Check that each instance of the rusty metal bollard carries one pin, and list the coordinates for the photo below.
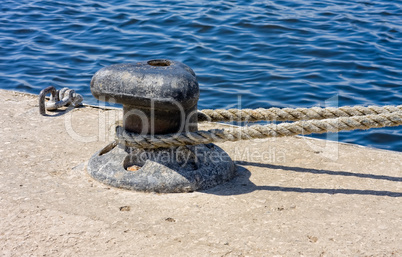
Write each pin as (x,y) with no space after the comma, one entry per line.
(158,97)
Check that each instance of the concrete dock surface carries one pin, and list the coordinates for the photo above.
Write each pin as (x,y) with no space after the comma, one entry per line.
(292,196)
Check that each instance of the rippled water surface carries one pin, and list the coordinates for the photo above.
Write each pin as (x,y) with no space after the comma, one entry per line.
(249,53)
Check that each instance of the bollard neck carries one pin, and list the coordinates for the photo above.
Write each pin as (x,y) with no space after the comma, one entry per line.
(152,121)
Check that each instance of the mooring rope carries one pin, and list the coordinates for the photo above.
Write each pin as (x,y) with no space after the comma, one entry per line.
(383,119)
(290,114)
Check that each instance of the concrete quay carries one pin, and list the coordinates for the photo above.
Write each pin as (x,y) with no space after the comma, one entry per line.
(292,196)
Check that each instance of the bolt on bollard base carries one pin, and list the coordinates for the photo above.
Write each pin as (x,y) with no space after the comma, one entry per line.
(172,170)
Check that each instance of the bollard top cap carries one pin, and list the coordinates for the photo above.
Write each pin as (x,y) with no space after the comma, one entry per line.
(165,82)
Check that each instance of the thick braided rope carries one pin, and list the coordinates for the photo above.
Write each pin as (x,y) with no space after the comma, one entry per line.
(259,131)
(290,114)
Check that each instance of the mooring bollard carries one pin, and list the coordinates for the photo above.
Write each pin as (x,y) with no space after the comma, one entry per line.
(158,97)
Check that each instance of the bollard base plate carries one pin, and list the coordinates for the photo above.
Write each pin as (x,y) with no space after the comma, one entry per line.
(169,170)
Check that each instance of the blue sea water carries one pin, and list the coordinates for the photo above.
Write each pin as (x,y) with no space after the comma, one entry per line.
(246,54)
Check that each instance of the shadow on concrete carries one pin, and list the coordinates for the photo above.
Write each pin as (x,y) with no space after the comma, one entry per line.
(315,171)
(62,111)
(241,184)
